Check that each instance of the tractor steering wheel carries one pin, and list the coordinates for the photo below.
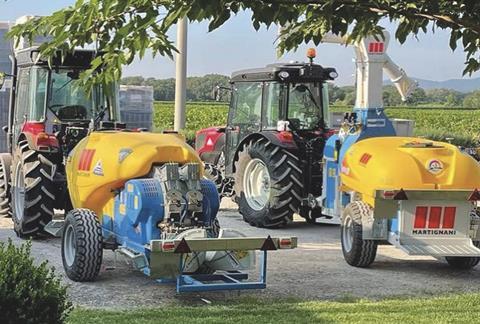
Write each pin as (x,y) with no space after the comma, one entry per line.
(56,106)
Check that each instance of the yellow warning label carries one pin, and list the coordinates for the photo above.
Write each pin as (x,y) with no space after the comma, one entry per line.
(239,255)
(331,172)
(122,209)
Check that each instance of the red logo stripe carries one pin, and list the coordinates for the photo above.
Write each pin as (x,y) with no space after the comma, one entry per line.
(420,217)
(435,216)
(449,217)
(376,47)
(82,159)
(86,160)
(365,158)
(89,159)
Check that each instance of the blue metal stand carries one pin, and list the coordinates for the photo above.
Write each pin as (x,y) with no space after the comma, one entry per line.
(228,280)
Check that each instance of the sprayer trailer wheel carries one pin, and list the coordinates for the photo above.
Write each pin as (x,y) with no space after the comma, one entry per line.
(82,249)
(464,263)
(356,251)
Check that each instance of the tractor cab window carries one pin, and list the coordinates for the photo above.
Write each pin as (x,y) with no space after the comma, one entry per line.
(305,106)
(247,104)
(38,94)
(22,100)
(69,101)
(273,103)
(325,104)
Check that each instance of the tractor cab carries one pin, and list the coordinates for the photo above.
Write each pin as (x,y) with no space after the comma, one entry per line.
(49,108)
(286,102)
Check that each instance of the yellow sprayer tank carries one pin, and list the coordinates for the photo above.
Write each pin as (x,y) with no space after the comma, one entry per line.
(103,161)
(406,163)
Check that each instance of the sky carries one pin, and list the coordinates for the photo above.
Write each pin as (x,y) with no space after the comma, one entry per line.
(236,45)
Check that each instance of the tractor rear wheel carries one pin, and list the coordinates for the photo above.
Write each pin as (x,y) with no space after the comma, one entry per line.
(464,263)
(5,193)
(268,184)
(32,190)
(82,249)
(356,251)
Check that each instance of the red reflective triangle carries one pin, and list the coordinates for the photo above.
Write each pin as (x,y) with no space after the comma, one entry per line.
(474,196)
(182,247)
(401,195)
(268,245)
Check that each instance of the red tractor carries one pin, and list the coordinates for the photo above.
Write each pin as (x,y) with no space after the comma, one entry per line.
(269,156)
(49,114)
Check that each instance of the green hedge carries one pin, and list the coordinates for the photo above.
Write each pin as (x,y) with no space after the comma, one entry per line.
(29,293)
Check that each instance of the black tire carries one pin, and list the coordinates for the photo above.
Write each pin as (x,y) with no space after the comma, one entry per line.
(85,260)
(214,229)
(464,263)
(213,174)
(5,193)
(35,210)
(285,184)
(356,251)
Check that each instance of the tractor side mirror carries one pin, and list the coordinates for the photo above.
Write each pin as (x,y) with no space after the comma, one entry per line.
(217,92)
(74,75)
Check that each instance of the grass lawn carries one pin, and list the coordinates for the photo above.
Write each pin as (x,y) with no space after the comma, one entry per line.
(464,308)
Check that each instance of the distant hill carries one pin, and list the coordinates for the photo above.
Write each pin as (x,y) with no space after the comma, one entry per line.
(462,85)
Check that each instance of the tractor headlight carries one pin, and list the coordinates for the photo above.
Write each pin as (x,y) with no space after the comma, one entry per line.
(333,75)
(283,75)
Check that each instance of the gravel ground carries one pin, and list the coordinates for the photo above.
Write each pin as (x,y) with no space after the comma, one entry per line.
(315,270)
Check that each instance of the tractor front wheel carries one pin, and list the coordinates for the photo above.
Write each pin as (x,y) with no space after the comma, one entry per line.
(356,251)
(82,249)
(267,184)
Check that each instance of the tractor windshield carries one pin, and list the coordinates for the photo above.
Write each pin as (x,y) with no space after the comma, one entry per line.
(305,106)
(69,101)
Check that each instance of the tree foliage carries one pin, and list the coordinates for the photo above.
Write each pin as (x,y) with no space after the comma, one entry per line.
(472,100)
(123,29)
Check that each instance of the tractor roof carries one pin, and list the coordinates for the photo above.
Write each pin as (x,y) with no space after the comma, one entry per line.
(79,59)
(296,72)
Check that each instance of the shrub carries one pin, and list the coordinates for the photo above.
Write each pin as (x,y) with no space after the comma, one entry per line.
(29,293)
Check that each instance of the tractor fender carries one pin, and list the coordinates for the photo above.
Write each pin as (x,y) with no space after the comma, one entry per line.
(209,143)
(49,144)
(38,140)
(272,136)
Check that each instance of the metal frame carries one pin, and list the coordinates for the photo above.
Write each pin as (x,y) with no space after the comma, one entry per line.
(231,280)
(221,280)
